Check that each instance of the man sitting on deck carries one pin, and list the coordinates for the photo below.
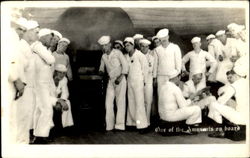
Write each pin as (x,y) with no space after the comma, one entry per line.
(174,107)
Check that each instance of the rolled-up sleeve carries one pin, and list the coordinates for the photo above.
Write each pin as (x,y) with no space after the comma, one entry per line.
(212,61)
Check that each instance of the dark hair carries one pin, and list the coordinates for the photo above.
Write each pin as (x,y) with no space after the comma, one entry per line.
(230,72)
(127,42)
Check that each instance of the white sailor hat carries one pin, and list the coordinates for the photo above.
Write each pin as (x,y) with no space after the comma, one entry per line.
(104,40)
(64,40)
(137,36)
(31,24)
(232,26)
(145,41)
(239,28)
(119,42)
(240,70)
(44,32)
(211,36)
(221,32)
(61,68)
(22,22)
(57,33)
(129,39)
(154,37)
(173,74)
(196,39)
(162,33)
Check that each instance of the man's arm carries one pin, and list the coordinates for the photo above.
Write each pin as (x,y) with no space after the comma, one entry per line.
(69,70)
(181,101)
(230,91)
(65,90)
(43,52)
(102,66)
(212,62)
(185,59)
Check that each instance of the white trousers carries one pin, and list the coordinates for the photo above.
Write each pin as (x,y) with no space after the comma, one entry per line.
(216,111)
(136,112)
(25,106)
(43,115)
(67,118)
(148,94)
(191,114)
(205,102)
(117,92)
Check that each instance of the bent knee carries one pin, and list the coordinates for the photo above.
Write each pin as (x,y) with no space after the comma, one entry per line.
(197,109)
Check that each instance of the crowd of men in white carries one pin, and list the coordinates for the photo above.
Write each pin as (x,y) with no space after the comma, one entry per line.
(139,69)
(40,70)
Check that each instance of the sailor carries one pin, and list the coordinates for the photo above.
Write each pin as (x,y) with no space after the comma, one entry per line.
(148,88)
(239,88)
(193,89)
(167,59)
(174,107)
(137,76)
(56,37)
(198,59)
(215,48)
(137,38)
(62,116)
(118,44)
(61,57)
(116,65)
(26,104)
(230,54)
(44,101)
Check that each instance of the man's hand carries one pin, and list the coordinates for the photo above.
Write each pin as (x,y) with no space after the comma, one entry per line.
(184,73)
(220,58)
(64,105)
(192,96)
(19,85)
(101,73)
(119,79)
(58,106)
(208,74)
(234,58)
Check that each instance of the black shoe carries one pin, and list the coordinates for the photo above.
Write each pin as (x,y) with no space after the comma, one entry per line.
(118,130)
(108,132)
(40,140)
(189,132)
(217,135)
(144,130)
